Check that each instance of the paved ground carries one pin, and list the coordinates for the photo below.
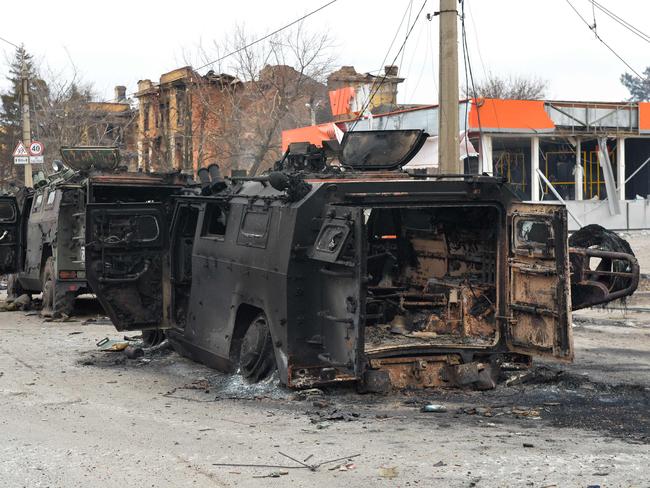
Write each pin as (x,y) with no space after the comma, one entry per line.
(72,416)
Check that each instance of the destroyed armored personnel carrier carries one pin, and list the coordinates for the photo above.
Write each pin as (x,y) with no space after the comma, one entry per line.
(51,254)
(357,272)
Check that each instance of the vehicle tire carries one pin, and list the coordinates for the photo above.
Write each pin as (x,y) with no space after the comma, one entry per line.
(64,304)
(14,289)
(47,288)
(152,337)
(256,356)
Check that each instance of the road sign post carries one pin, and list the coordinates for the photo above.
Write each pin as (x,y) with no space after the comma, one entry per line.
(21,154)
(36,149)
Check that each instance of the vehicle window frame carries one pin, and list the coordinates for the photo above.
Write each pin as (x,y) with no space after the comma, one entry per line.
(48,205)
(14,216)
(249,239)
(531,246)
(207,214)
(38,203)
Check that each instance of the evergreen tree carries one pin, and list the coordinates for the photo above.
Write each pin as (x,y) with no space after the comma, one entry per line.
(639,88)
(10,113)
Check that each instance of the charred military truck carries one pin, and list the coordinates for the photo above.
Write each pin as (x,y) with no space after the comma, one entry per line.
(358,272)
(51,256)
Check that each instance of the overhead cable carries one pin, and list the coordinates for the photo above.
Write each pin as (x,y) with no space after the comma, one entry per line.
(591,28)
(257,41)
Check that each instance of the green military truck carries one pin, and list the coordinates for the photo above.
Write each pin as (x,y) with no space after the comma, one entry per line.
(49,253)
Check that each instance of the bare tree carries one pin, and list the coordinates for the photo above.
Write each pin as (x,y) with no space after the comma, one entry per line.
(272,83)
(508,87)
(62,112)
(68,116)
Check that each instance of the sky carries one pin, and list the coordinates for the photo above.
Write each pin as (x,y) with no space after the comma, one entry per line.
(119,42)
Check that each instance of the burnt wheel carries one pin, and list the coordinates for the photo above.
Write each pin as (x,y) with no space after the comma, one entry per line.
(47,287)
(152,337)
(14,289)
(64,304)
(256,357)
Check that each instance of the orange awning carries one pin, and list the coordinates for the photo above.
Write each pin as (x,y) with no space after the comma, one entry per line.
(314,134)
(644,117)
(510,115)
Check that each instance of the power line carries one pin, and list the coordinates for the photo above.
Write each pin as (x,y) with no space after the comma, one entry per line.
(243,48)
(637,32)
(592,28)
(468,69)
(383,78)
(257,41)
(9,42)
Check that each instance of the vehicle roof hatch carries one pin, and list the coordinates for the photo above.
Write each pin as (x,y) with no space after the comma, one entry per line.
(85,158)
(380,149)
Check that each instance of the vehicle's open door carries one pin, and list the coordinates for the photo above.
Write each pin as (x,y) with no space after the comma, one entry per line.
(126,259)
(340,249)
(539,321)
(10,235)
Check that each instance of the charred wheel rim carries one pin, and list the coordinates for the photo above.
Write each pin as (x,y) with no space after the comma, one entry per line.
(256,359)
(153,337)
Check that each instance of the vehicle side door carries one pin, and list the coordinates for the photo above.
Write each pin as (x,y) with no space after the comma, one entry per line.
(127,263)
(10,235)
(340,249)
(539,300)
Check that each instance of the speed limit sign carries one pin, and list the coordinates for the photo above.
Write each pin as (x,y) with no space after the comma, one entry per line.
(36,148)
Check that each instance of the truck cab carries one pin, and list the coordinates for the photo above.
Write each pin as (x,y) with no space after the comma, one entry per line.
(364,274)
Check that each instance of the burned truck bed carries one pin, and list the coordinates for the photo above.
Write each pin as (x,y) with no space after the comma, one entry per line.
(359,272)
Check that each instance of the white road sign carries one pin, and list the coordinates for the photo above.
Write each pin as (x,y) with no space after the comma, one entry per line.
(36,148)
(21,159)
(20,150)
(36,159)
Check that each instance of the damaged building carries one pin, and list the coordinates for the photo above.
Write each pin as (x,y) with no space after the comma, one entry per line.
(188,120)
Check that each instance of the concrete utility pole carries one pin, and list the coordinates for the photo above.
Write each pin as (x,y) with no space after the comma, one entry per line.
(448,144)
(27,128)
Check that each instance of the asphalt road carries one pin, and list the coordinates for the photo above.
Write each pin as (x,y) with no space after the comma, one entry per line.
(72,416)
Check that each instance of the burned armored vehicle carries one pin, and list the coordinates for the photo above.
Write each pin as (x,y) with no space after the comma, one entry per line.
(359,272)
(51,258)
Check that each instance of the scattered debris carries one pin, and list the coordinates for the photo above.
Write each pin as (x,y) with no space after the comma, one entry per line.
(112,345)
(333,414)
(439,464)
(274,474)
(388,472)
(528,444)
(308,393)
(301,464)
(97,321)
(133,352)
(58,317)
(23,302)
(433,408)
(519,379)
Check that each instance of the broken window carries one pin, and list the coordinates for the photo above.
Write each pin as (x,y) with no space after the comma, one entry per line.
(37,203)
(533,235)
(254,228)
(50,199)
(214,222)
(7,212)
